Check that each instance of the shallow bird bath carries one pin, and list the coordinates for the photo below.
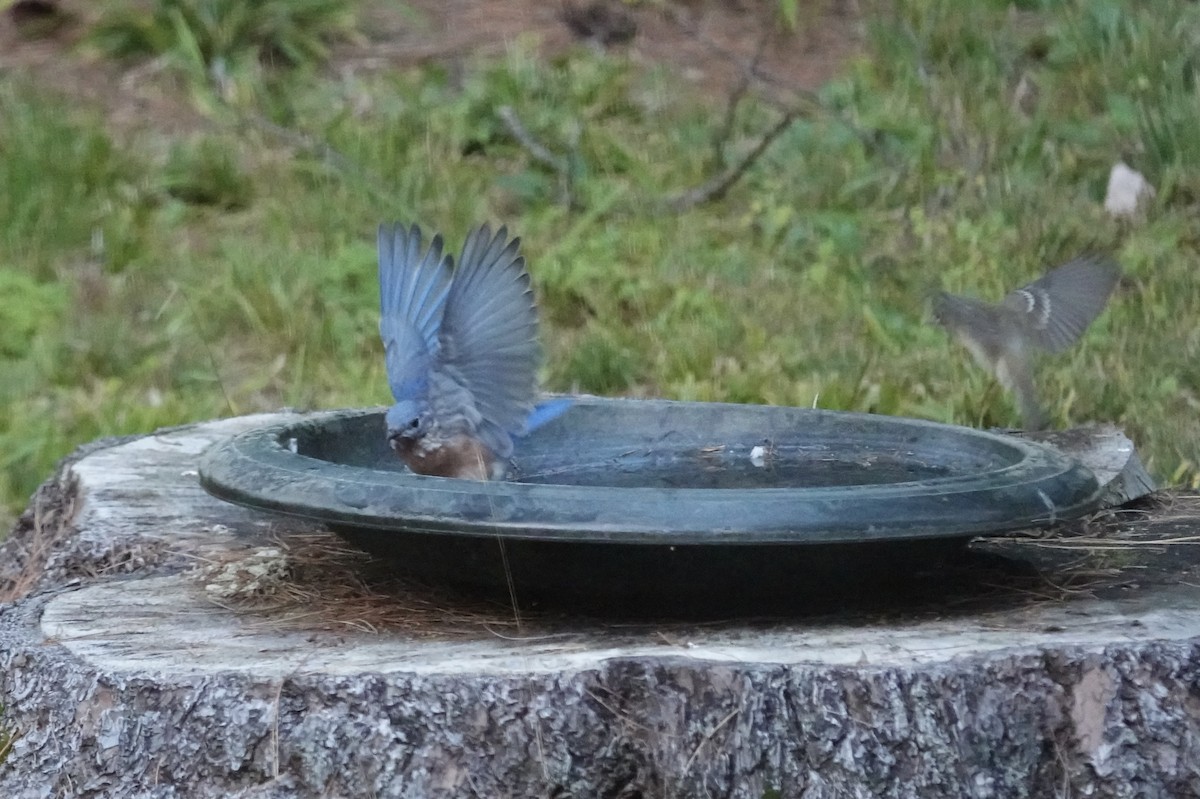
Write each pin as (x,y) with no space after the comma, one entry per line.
(624,502)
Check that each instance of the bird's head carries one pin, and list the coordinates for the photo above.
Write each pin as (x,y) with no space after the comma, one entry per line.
(942,306)
(406,423)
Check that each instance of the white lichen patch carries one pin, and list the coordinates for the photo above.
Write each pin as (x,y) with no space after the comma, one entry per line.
(258,574)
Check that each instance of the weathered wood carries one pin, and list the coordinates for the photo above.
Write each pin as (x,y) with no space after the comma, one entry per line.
(1110,455)
(121,677)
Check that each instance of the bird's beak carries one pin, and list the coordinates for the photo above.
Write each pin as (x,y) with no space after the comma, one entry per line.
(394,437)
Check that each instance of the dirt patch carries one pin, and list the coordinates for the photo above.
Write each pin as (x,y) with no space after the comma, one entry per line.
(709,42)
(132,98)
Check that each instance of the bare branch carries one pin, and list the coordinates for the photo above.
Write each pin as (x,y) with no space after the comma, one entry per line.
(316,147)
(721,137)
(300,140)
(752,66)
(716,188)
(751,73)
(538,151)
(519,132)
(794,102)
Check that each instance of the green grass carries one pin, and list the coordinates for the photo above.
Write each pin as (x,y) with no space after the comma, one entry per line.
(150,281)
(205,33)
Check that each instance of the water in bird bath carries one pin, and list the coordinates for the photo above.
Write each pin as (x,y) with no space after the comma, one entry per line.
(745,468)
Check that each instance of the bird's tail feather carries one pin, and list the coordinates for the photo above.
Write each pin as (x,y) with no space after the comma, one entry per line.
(1014,373)
(547,411)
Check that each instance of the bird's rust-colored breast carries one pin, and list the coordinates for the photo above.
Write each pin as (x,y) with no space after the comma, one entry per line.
(461,456)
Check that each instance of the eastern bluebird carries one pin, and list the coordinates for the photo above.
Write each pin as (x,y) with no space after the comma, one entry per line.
(1050,313)
(462,352)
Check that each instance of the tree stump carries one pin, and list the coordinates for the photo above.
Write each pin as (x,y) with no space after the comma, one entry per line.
(156,642)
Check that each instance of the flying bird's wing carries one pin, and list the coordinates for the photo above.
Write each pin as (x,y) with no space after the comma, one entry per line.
(1058,307)
(488,338)
(413,287)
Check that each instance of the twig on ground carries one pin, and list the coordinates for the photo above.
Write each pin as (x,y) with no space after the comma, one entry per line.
(321,149)
(797,102)
(275,729)
(721,137)
(751,67)
(302,141)
(299,140)
(625,717)
(716,187)
(560,165)
(708,737)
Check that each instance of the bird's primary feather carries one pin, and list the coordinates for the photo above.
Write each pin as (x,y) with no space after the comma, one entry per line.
(488,338)
(1056,308)
(413,289)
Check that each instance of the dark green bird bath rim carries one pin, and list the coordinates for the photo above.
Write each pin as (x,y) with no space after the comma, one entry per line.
(637,500)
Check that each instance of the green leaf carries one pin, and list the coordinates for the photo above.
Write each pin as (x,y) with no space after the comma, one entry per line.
(790,11)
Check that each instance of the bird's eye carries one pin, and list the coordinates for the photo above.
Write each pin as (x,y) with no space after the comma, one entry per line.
(413,424)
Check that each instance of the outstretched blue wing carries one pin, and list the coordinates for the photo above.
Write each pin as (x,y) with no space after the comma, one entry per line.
(488,339)
(413,288)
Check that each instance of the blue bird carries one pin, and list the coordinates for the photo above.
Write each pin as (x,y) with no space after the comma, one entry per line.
(462,352)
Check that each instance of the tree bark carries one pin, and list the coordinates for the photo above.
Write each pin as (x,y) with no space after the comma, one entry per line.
(122,676)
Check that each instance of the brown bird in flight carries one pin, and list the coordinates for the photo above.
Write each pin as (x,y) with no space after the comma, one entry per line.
(1049,314)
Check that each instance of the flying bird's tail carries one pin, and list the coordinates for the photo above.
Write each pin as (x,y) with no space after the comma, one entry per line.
(1013,372)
